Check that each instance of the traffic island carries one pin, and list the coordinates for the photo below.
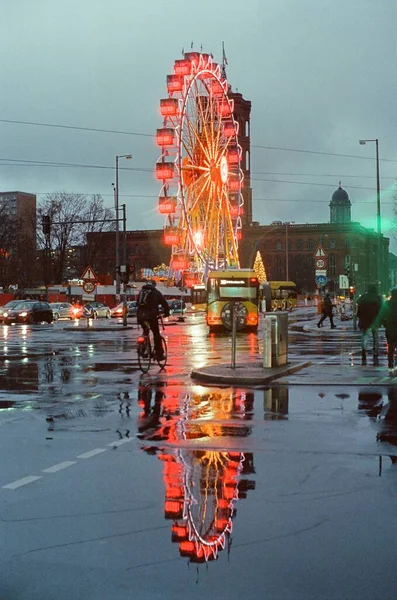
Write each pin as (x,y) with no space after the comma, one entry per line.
(253,374)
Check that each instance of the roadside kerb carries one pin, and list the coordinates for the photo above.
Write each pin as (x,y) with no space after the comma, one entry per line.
(253,374)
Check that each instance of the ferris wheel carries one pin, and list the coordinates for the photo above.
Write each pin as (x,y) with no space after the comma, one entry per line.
(201,194)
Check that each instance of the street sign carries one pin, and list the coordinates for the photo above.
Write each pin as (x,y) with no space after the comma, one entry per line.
(320,272)
(320,252)
(89,274)
(343,282)
(88,311)
(321,280)
(320,263)
(89,287)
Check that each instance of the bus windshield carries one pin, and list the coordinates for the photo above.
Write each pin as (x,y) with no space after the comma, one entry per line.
(232,289)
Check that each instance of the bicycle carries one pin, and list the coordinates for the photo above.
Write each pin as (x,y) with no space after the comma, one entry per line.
(146,351)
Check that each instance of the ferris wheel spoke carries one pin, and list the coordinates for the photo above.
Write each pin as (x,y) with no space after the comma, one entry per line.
(193,130)
(204,186)
(203,119)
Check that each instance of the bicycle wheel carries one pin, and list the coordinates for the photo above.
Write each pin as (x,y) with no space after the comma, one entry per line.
(163,362)
(144,353)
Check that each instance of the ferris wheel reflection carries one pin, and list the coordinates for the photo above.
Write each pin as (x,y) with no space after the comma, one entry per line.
(202,483)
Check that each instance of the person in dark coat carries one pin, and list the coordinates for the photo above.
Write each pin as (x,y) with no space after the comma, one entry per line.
(388,318)
(368,308)
(327,312)
(149,300)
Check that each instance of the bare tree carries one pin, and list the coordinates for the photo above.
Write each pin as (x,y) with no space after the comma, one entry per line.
(66,242)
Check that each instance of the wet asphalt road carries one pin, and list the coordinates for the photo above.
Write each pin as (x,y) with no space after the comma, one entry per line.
(118,485)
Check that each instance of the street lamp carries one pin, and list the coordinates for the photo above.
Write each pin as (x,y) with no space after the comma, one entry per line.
(286,249)
(378,216)
(116,206)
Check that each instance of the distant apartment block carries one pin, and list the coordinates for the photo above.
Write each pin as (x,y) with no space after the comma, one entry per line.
(21,206)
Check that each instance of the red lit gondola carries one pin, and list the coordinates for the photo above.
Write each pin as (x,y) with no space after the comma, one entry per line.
(182,67)
(169,107)
(174,83)
(230,128)
(171,236)
(164,170)
(167,205)
(165,136)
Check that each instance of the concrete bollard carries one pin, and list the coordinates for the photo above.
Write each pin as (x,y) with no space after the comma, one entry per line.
(267,343)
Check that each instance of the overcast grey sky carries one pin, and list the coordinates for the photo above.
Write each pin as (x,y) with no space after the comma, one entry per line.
(320,75)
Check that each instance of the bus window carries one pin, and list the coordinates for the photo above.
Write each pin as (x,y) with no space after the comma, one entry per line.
(198,296)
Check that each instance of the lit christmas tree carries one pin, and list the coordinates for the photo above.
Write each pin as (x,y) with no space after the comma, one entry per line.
(259,268)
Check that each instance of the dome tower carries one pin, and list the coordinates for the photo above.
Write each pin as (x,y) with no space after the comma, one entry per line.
(340,206)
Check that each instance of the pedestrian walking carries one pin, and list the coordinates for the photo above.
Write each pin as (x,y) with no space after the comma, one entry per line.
(327,312)
(388,318)
(368,309)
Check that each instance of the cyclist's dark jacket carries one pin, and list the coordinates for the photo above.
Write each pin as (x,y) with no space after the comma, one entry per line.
(149,300)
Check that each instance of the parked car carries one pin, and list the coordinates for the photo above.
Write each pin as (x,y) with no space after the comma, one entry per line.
(63,310)
(29,311)
(117,311)
(8,307)
(99,310)
(177,307)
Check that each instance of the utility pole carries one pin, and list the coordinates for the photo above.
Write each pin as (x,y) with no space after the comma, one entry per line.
(126,277)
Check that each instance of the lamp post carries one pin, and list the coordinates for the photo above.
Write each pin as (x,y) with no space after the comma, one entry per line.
(286,249)
(378,215)
(116,206)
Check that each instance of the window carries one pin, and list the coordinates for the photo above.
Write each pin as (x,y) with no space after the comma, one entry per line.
(247,128)
(347,243)
(299,244)
(279,245)
(332,243)
(332,265)
(310,244)
(247,161)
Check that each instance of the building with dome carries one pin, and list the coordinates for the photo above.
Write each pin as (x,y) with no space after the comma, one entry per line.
(288,249)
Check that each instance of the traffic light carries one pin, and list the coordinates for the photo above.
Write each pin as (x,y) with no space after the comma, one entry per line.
(347,271)
(124,271)
(351,291)
(46,224)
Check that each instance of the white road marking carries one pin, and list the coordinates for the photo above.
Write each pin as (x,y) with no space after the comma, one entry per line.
(60,466)
(20,482)
(120,442)
(92,453)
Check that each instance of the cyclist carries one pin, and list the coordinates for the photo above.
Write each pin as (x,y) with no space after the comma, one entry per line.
(149,301)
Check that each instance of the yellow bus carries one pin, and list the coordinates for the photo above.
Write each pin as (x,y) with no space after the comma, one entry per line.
(232,289)
(279,295)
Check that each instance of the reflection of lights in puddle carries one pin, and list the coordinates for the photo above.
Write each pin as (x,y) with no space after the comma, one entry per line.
(24,349)
(77,351)
(5,348)
(25,360)
(91,349)
(5,331)
(24,331)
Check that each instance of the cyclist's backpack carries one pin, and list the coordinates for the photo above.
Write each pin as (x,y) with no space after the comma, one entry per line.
(144,298)
(145,304)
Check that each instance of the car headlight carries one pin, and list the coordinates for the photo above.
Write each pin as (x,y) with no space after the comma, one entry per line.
(23,314)
(5,314)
